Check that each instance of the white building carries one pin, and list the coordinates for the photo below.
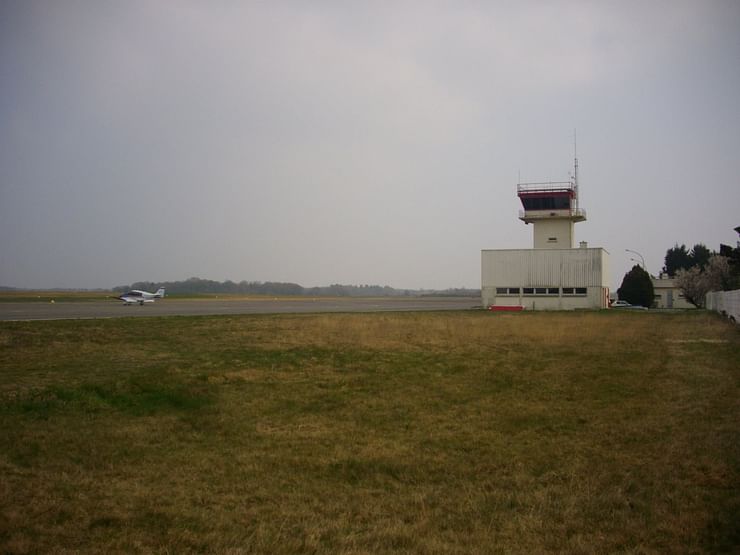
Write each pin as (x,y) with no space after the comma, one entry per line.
(668,295)
(553,275)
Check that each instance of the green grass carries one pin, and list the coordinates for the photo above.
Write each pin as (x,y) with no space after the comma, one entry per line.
(376,433)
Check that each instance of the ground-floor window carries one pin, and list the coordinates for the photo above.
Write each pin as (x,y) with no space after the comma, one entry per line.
(542,291)
(507,290)
(574,291)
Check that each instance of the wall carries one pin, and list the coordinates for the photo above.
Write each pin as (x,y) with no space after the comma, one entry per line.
(559,270)
(665,287)
(725,302)
(562,230)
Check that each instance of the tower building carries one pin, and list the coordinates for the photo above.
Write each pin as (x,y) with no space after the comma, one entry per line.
(553,275)
(552,209)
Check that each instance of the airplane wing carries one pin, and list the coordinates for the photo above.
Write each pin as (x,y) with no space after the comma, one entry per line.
(135,300)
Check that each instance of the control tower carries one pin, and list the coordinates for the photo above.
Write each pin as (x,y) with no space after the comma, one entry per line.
(553,275)
(552,209)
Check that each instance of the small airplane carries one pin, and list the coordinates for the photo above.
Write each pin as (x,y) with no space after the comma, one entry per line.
(141,297)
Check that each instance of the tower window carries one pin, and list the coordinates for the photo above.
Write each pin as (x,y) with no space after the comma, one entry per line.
(554,202)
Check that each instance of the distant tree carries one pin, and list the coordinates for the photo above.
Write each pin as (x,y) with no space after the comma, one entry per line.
(695,283)
(733,259)
(700,255)
(677,258)
(199,286)
(637,287)
(680,258)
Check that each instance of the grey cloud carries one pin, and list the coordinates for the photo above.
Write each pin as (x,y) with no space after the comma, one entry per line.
(366,143)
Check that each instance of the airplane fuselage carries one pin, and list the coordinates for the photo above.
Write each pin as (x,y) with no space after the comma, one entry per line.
(139,297)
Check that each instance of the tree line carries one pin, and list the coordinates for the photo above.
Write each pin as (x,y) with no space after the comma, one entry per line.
(697,271)
(199,286)
(700,270)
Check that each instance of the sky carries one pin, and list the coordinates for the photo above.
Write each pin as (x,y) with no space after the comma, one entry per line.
(355,142)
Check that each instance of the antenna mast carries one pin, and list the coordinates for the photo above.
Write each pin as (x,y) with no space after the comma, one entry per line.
(575,166)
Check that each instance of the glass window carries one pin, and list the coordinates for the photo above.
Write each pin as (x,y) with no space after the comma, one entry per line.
(541,290)
(513,290)
(556,201)
(580,290)
(552,290)
(501,290)
(568,291)
(528,291)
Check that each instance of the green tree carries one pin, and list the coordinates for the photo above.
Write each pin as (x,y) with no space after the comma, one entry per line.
(680,258)
(700,255)
(637,287)
(677,258)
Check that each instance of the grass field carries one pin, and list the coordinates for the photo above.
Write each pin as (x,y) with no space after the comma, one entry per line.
(372,433)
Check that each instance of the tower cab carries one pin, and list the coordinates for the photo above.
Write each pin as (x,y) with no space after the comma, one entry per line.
(552,209)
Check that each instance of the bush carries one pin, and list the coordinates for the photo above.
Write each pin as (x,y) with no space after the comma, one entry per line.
(637,287)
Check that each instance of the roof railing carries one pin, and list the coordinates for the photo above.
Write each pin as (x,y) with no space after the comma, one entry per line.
(545,186)
(553,213)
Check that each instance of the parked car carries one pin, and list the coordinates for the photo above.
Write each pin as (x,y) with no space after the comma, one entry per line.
(625,304)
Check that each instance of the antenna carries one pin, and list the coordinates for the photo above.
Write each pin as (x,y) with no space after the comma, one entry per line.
(575,166)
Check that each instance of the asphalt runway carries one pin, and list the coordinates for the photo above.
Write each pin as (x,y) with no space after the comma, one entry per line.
(112,308)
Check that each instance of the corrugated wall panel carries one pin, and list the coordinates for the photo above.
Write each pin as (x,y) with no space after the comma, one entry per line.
(544,267)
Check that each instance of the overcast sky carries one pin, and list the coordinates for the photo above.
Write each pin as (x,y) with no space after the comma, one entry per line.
(355,142)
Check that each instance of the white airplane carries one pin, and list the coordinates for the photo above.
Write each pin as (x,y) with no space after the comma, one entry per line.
(141,297)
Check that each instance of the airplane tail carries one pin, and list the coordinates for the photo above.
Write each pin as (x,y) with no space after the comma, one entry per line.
(160,293)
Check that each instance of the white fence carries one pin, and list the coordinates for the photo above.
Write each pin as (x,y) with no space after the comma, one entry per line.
(725,302)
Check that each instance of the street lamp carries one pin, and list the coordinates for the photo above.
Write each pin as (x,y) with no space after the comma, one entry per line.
(641,258)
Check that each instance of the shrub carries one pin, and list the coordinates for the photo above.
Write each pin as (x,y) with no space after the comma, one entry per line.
(637,287)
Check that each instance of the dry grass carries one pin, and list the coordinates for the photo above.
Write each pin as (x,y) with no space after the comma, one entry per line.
(376,433)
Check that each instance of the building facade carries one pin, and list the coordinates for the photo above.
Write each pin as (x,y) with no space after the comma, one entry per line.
(668,295)
(545,279)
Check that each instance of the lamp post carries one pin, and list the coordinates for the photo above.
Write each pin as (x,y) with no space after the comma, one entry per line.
(641,258)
